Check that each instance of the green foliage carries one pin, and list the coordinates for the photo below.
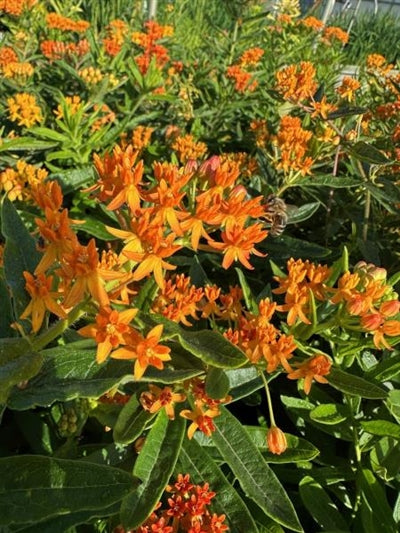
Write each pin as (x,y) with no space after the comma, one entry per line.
(141,170)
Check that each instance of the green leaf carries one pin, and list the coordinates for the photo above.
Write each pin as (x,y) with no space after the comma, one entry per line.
(209,346)
(35,488)
(6,315)
(249,299)
(25,144)
(194,459)
(256,478)
(320,505)
(329,413)
(131,422)
(153,467)
(243,381)
(65,522)
(386,369)
(298,449)
(385,458)
(18,363)
(304,212)
(69,372)
(383,428)
(334,182)
(20,254)
(217,383)
(367,152)
(48,133)
(355,385)
(73,180)
(285,247)
(374,498)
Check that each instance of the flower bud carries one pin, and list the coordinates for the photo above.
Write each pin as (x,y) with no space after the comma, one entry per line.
(389,308)
(276,440)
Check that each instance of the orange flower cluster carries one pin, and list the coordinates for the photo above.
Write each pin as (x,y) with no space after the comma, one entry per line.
(91,75)
(187,148)
(186,510)
(378,63)
(147,40)
(156,399)
(348,87)
(117,31)
(259,339)
(178,300)
(24,110)
(293,143)
(333,33)
(141,137)
(75,266)
(18,71)
(363,294)
(251,57)
(7,56)
(312,23)
(248,165)
(303,279)
(166,207)
(297,82)
(59,50)
(315,368)
(366,295)
(242,78)
(18,182)
(59,22)
(15,7)
(205,408)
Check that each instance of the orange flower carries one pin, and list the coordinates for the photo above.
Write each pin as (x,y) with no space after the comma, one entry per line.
(347,88)
(332,33)
(276,440)
(251,57)
(315,368)
(187,148)
(201,420)
(81,269)
(156,399)
(178,300)
(110,330)
(296,82)
(146,351)
(238,243)
(43,299)
(24,110)
(59,238)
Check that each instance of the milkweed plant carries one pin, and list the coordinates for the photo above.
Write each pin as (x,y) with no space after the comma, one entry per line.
(178,352)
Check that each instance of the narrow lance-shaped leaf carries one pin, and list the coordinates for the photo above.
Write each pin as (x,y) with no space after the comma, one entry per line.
(35,488)
(153,467)
(320,505)
(131,422)
(255,476)
(19,254)
(354,385)
(194,460)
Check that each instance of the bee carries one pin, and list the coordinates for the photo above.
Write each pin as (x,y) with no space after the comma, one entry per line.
(276,214)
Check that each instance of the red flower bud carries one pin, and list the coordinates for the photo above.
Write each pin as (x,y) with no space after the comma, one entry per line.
(276,440)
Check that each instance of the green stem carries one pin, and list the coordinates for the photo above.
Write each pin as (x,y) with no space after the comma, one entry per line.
(59,327)
(269,400)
